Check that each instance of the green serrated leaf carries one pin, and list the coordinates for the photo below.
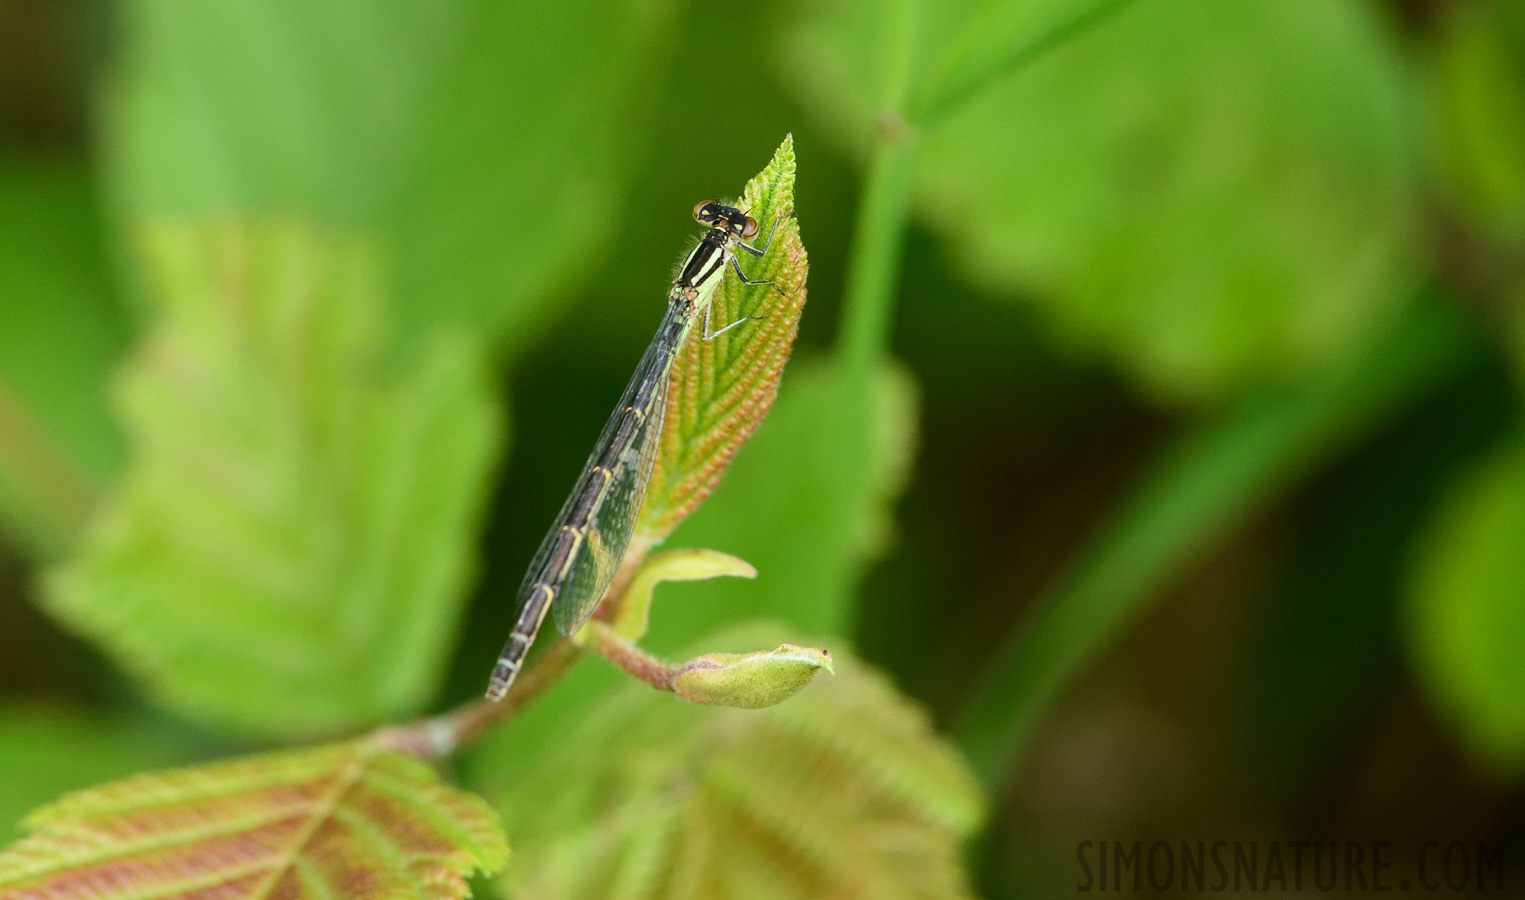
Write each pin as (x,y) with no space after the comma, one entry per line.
(842,791)
(722,388)
(289,550)
(1214,194)
(1467,609)
(46,751)
(342,822)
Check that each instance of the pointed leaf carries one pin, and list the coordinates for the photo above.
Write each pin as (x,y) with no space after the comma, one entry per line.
(843,791)
(343,822)
(671,565)
(722,388)
(288,552)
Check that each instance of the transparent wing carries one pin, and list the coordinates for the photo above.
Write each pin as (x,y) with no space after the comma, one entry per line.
(612,521)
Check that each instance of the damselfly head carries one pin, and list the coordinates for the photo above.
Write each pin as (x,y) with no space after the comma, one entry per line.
(727,218)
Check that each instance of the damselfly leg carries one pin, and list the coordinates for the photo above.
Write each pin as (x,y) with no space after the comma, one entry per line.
(736,264)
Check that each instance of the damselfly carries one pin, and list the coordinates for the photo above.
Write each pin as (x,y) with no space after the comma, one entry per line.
(579,555)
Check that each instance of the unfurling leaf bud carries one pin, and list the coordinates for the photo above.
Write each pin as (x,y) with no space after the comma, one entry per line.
(749,680)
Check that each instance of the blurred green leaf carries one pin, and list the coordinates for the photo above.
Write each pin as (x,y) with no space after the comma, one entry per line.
(46,751)
(804,505)
(844,790)
(483,140)
(1479,97)
(60,333)
(528,141)
(996,39)
(1212,482)
(1467,613)
(855,60)
(288,553)
(1216,194)
(346,821)
(224,106)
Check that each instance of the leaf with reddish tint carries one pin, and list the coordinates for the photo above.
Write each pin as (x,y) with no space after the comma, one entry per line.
(722,388)
(348,821)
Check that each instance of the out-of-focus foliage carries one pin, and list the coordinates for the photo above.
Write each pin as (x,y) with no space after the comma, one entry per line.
(1209,231)
(60,332)
(1226,470)
(1468,612)
(50,750)
(843,790)
(346,820)
(1465,625)
(1479,106)
(453,128)
(288,550)
(1132,222)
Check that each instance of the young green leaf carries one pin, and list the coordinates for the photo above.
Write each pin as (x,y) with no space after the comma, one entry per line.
(755,680)
(843,791)
(722,388)
(670,565)
(288,551)
(346,821)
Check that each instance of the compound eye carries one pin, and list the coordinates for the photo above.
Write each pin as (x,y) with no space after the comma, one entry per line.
(699,210)
(749,230)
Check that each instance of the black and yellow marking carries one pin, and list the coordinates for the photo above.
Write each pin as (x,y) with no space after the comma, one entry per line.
(599,515)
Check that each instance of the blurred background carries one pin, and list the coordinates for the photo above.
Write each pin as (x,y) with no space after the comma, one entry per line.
(1209,330)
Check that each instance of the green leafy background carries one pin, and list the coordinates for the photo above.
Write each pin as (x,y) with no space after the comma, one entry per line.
(1185,499)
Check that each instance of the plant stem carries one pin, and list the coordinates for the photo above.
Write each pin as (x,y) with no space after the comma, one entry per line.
(874,265)
(441,736)
(629,658)
(987,51)
(1215,480)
